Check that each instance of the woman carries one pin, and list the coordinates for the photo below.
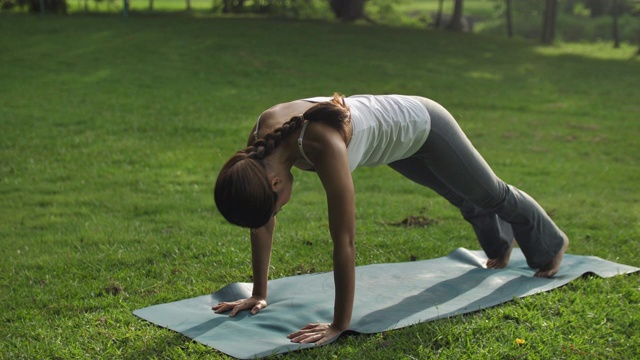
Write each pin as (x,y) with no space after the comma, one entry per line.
(332,136)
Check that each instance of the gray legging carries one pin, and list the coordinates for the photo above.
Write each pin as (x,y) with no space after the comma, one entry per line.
(450,165)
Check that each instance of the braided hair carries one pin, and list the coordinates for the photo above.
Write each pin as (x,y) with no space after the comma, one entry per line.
(243,192)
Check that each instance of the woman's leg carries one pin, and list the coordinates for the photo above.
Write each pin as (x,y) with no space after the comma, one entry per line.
(449,157)
(495,235)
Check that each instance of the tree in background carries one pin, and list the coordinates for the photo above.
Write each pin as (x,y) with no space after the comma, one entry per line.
(597,7)
(616,33)
(509,16)
(232,6)
(50,6)
(348,10)
(439,14)
(457,21)
(636,8)
(550,16)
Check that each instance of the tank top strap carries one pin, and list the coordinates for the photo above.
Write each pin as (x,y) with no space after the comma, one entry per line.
(304,128)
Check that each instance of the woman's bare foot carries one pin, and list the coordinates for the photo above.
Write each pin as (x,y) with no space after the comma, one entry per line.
(553,266)
(503,260)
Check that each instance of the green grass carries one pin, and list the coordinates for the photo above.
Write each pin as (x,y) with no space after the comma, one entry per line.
(112,131)
(482,8)
(140,5)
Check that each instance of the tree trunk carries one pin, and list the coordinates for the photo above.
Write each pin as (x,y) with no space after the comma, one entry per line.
(439,14)
(616,34)
(46,6)
(638,37)
(228,6)
(509,19)
(549,21)
(240,6)
(150,5)
(456,23)
(188,5)
(597,7)
(348,10)
(569,6)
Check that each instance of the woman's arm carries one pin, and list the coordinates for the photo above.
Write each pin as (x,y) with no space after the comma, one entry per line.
(338,184)
(328,152)
(261,243)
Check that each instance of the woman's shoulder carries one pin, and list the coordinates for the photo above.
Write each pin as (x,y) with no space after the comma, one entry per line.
(293,108)
(277,115)
(283,112)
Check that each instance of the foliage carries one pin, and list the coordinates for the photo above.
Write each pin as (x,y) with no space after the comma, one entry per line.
(485,16)
(571,27)
(384,11)
(579,29)
(34,6)
(300,9)
(113,131)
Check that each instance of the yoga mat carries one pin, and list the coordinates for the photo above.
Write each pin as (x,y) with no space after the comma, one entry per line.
(388,296)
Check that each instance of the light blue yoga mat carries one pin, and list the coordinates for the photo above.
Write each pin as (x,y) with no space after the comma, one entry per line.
(388,296)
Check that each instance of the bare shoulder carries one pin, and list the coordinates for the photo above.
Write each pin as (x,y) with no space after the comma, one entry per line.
(323,142)
(278,114)
(327,150)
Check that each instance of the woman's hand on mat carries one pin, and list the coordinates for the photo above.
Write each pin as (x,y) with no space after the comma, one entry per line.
(315,333)
(254,303)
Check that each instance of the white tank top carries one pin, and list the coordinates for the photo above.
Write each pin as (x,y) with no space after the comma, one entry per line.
(386,128)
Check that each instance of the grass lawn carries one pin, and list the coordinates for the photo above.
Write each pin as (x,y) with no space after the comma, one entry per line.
(139,5)
(112,132)
(475,7)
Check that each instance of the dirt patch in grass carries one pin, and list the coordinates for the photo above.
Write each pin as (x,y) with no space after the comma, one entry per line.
(415,221)
(114,289)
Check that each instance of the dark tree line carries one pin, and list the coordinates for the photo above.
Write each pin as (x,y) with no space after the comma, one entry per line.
(36,6)
(352,10)
(597,8)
